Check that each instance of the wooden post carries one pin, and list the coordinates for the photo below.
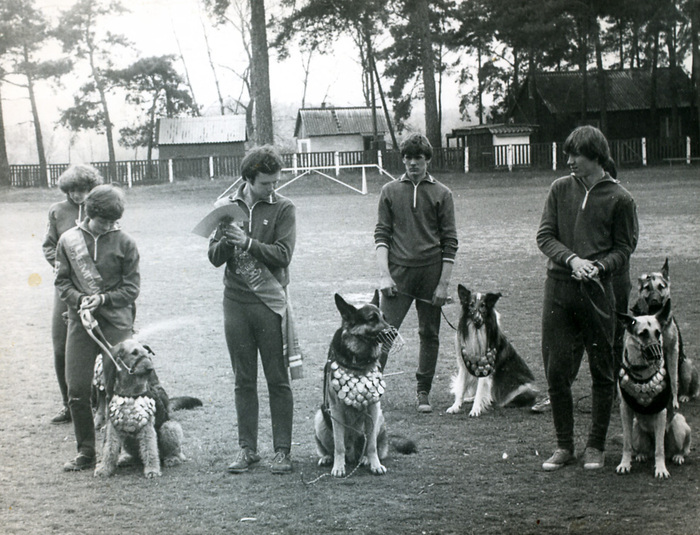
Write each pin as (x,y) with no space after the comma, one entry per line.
(554,156)
(170,171)
(509,157)
(211,168)
(129,176)
(644,151)
(379,159)
(294,163)
(466,159)
(364,181)
(687,150)
(336,161)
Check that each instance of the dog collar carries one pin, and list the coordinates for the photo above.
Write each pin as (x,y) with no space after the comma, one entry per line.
(131,414)
(357,390)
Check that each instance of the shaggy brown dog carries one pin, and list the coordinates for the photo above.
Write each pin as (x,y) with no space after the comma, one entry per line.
(138,422)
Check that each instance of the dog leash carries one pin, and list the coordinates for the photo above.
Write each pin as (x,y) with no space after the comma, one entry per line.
(447,300)
(601,313)
(91,326)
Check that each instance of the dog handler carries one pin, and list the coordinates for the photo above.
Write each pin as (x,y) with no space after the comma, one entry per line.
(416,245)
(97,269)
(588,231)
(76,182)
(257,249)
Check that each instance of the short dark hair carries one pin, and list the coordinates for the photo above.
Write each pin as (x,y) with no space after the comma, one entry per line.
(416,145)
(81,177)
(590,142)
(264,159)
(106,201)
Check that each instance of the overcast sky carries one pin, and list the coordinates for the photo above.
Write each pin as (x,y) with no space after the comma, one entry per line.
(155,26)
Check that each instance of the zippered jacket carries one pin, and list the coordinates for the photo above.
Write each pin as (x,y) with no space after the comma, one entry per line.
(416,222)
(63,215)
(117,259)
(271,234)
(598,224)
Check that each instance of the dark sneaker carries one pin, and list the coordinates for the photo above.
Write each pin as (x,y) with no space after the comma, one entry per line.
(81,462)
(424,402)
(244,460)
(282,463)
(593,459)
(63,416)
(542,405)
(559,460)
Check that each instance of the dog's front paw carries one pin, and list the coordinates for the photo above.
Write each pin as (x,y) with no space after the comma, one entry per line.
(454,409)
(684,399)
(326,460)
(678,459)
(378,470)
(641,457)
(660,472)
(476,411)
(338,470)
(173,460)
(624,467)
(151,473)
(102,471)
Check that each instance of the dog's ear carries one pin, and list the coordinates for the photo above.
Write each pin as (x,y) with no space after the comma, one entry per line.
(640,307)
(644,277)
(491,299)
(664,270)
(347,311)
(375,298)
(464,294)
(663,316)
(627,320)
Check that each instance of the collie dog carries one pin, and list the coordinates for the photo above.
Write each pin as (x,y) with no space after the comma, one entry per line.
(490,371)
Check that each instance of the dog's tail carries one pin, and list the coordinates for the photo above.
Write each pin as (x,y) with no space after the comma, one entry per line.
(184,402)
(403,445)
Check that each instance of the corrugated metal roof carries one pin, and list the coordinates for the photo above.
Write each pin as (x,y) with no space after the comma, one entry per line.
(498,129)
(199,130)
(627,90)
(312,122)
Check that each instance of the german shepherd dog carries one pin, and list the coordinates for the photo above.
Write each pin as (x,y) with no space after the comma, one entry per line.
(649,420)
(138,422)
(350,425)
(653,291)
(490,370)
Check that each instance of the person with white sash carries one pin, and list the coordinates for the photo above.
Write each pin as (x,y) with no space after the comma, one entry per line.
(257,249)
(76,182)
(97,269)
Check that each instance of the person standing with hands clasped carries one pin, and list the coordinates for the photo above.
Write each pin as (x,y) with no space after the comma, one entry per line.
(257,249)
(416,245)
(97,269)
(76,182)
(588,231)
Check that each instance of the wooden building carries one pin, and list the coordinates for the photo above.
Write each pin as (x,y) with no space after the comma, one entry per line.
(199,137)
(329,129)
(553,102)
(494,145)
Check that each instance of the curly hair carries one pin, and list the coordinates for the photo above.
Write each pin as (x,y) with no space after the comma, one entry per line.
(81,177)
(263,159)
(416,145)
(106,201)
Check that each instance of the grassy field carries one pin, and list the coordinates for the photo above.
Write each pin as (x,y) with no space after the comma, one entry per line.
(469,475)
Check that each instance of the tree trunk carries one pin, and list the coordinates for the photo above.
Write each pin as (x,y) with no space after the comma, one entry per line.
(602,85)
(260,73)
(5,175)
(695,47)
(583,66)
(479,87)
(653,111)
(673,90)
(432,123)
(43,167)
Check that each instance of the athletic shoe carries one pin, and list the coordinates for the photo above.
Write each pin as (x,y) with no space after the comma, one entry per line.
(282,463)
(81,462)
(424,402)
(593,459)
(542,405)
(63,416)
(559,460)
(244,460)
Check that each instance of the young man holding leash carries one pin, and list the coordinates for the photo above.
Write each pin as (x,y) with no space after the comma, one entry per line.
(97,269)
(257,248)
(588,231)
(416,244)
(76,182)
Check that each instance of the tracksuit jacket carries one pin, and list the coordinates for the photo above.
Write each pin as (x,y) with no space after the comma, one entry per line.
(63,215)
(598,224)
(271,237)
(416,222)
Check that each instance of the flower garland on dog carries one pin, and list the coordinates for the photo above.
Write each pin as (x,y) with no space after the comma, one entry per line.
(357,390)
(645,390)
(131,414)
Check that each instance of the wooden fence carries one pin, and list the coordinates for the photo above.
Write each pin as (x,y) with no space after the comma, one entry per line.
(626,153)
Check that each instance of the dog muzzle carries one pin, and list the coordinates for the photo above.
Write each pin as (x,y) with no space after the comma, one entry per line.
(653,352)
(391,340)
(357,390)
(130,415)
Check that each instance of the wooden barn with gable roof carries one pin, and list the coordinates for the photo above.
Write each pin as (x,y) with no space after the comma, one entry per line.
(328,129)
(552,101)
(201,137)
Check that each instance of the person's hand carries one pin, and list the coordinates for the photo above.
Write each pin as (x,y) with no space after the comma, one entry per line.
(440,295)
(91,302)
(387,286)
(582,269)
(234,235)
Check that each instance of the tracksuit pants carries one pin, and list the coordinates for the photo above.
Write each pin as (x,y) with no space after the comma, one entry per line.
(59,332)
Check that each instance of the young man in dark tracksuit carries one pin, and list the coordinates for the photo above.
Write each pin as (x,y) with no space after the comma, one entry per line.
(252,321)
(416,244)
(588,231)
(76,182)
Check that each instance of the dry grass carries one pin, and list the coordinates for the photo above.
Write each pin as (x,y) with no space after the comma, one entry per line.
(469,475)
